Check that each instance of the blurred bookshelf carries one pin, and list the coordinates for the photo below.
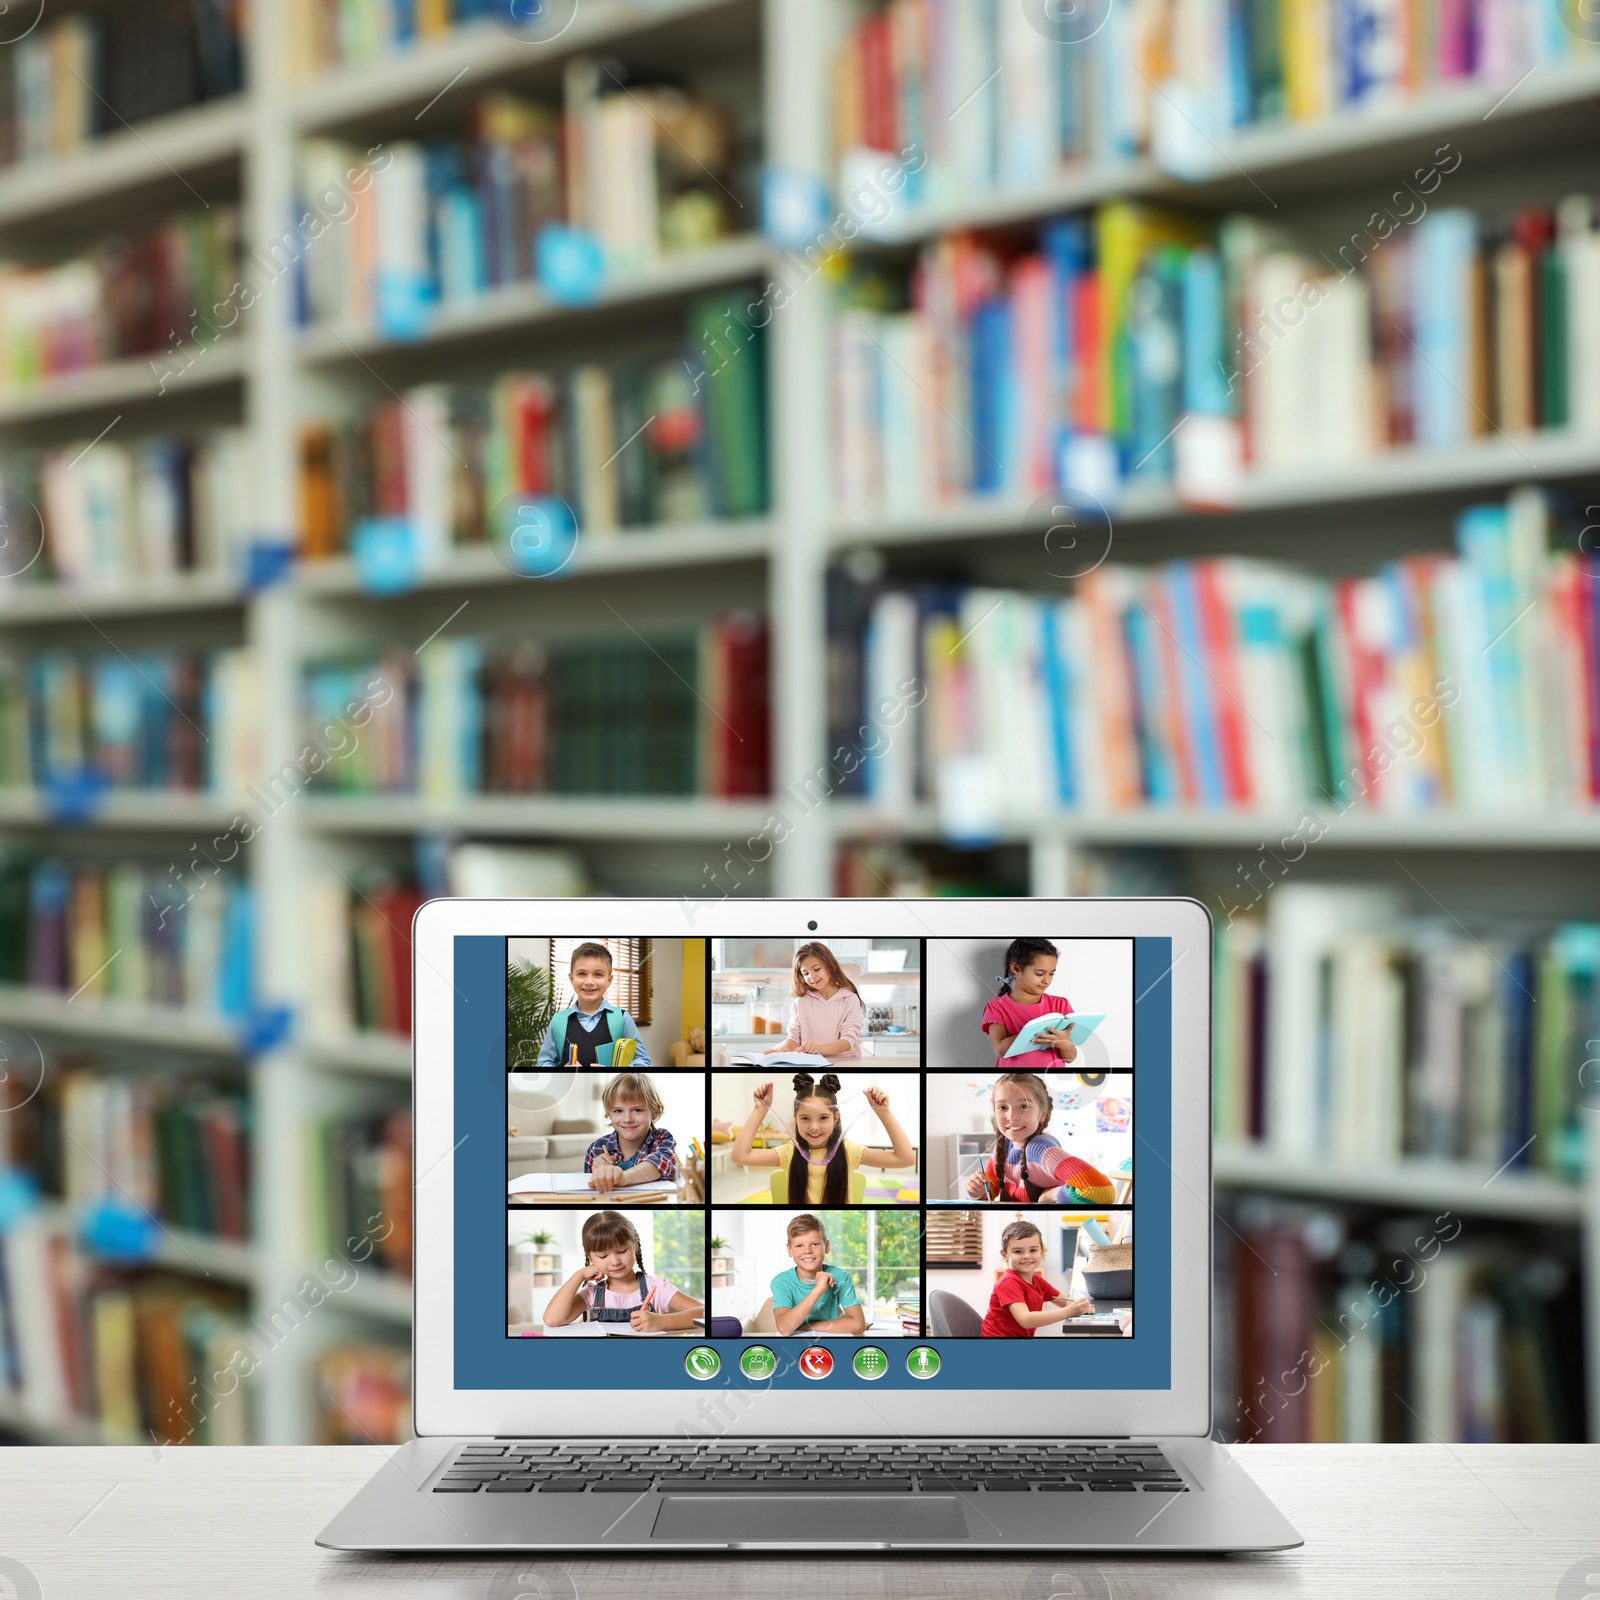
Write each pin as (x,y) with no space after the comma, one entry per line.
(325,486)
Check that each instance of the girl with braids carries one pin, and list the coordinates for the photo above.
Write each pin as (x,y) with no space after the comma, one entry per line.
(612,1285)
(1017,1305)
(1029,1164)
(826,1014)
(1024,994)
(819,1162)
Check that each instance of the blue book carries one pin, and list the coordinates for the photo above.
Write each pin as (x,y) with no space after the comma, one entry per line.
(235,984)
(1441,315)
(403,20)
(1058,700)
(1483,540)
(1196,688)
(1205,380)
(1160,780)
(991,378)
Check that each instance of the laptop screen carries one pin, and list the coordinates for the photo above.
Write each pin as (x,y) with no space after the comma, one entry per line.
(783,1162)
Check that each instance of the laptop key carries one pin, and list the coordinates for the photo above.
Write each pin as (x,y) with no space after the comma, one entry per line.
(620,1485)
(1007,1485)
(457,1488)
(564,1485)
(1062,1488)
(508,1488)
(1166,1488)
(1111,1488)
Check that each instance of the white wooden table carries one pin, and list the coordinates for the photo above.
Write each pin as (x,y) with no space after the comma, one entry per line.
(1423,1522)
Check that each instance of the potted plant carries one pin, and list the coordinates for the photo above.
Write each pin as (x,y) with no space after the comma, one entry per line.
(721,1264)
(545,1259)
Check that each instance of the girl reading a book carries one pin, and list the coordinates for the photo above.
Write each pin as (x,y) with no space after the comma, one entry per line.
(1030,969)
(636,1150)
(612,1285)
(818,1164)
(1028,1164)
(826,1013)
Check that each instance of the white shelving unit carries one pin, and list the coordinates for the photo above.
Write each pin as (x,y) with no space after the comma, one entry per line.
(278,374)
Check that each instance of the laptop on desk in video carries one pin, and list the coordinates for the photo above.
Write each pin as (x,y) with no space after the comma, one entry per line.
(728,1214)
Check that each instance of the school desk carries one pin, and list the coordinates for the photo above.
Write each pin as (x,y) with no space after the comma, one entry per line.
(1430,1522)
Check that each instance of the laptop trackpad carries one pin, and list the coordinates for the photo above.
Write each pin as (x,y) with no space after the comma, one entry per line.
(769,1520)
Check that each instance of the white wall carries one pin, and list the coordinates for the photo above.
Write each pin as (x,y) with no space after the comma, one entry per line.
(1093,974)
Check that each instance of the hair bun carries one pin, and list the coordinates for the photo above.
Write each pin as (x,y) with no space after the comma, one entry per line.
(830,1082)
(802,1082)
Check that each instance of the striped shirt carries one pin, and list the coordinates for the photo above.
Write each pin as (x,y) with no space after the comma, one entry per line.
(660,1149)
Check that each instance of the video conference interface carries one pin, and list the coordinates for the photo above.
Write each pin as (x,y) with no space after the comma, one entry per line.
(841,1142)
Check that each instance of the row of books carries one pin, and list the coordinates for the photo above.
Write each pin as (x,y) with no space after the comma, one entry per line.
(1141,344)
(1005,95)
(678,714)
(360,1206)
(362,966)
(1467,682)
(909,1310)
(622,447)
(639,171)
(180,934)
(1333,1329)
(70,79)
(168,294)
(1344,1031)
(165,1146)
(84,720)
(96,514)
(358,944)
(324,34)
(142,1357)
(364,1394)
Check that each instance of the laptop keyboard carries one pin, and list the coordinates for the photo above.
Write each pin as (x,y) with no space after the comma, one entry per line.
(508,1467)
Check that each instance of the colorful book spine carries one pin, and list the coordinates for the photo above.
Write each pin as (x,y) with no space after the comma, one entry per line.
(127,931)
(74,723)
(1007,373)
(1233,683)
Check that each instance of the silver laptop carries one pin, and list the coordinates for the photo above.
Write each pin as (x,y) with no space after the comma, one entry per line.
(855,1224)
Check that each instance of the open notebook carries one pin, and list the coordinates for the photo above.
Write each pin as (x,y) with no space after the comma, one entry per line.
(578,1183)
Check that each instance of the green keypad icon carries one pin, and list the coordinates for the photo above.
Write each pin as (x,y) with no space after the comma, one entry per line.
(869,1362)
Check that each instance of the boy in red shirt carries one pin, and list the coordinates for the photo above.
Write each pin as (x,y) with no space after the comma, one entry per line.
(1018,1305)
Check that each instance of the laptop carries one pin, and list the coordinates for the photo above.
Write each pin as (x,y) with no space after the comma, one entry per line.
(774,1223)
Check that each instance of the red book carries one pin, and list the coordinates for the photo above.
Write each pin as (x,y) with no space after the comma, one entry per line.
(1216,627)
(1086,347)
(399,906)
(389,459)
(877,83)
(533,408)
(1366,669)
(745,768)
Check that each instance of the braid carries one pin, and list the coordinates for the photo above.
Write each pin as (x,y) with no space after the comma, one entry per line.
(1002,1146)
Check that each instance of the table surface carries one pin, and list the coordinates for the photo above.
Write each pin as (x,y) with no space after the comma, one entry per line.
(1429,1522)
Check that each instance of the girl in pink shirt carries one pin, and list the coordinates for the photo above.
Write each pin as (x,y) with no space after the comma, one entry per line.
(1024,994)
(826,1015)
